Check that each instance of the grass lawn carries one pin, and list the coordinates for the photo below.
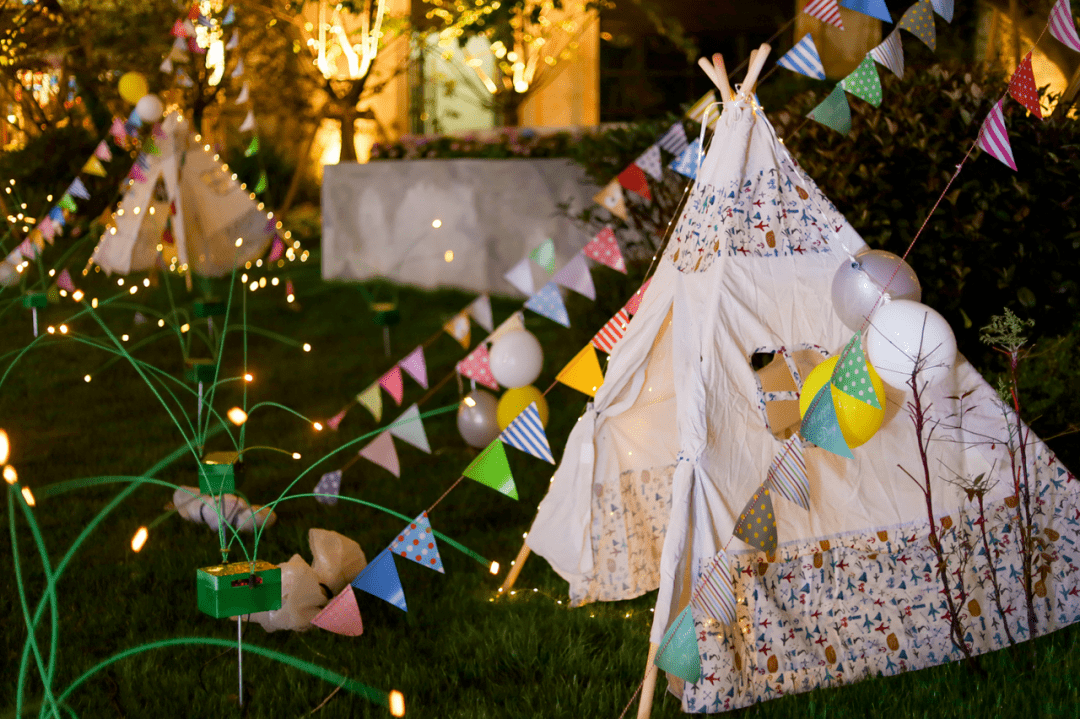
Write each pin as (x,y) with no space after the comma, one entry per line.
(456,652)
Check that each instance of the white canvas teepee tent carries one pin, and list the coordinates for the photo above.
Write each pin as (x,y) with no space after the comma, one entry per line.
(678,439)
(208,211)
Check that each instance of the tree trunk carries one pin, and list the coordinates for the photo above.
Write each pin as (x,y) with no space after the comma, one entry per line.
(510,110)
(348,135)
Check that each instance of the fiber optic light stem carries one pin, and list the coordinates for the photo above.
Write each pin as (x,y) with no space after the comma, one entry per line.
(198,416)
(240,658)
(386,339)
(33,311)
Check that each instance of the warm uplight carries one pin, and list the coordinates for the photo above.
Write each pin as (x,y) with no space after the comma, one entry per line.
(10,475)
(470,402)
(296,455)
(397,704)
(139,539)
(448,256)
(237,416)
(307,347)
(494,567)
(5,447)
(317,426)
(249,377)
(436,224)
(28,496)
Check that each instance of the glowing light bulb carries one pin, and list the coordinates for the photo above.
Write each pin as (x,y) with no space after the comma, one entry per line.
(123,338)
(494,567)
(120,281)
(262,282)
(448,256)
(93,303)
(237,416)
(51,330)
(239,241)
(28,496)
(52,273)
(397,704)
(290,298)
(318,426)
(78,295)
(63,329)
(253,286)
(10,475)
(470,402)
(275,281)
(307,347)
(161,323)
(139,539)
(146,282)
(185,327)
(436,223)
(87,378)
(134,289)
(296,455)
(5,447)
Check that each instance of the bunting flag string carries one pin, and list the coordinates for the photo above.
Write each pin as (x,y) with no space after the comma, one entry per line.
(491,468)
(380,578)
(526,432)
(1062,25)
(382,452)
(480,310)
(477,366)
(919,21)
(944,8)
(674,140)
(329,487)
(634,302)
(612,331)
(873,8)
(834,111)
(787,473)
(371,398)
(994,138)
(341,615)
(583,373)
(633,178)
(757,521)
(548,302)
(890,53)
(414,366)
(821,426)
(1022,87)
(864,83)
(852,374)
(459,328)
(335,421)
(575,276)
(689,159)
(612,199)
(416,542)
(513,323)
(714,596)
(649,161)
(678,652)
(804,59)
(544,255)
(520,276)
(604,248)
(409,428)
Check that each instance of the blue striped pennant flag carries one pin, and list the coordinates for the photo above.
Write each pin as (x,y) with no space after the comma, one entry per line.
(674,140)
(804,59)
(787,474)
(526,433)
(890,53)
(714,596)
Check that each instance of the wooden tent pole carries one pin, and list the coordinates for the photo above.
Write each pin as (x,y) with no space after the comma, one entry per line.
(756,63)
(648,686)
(722,76)
(515,569)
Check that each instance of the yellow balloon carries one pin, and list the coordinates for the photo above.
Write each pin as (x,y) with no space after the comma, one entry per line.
(858,420)
(517,400)
(133,87)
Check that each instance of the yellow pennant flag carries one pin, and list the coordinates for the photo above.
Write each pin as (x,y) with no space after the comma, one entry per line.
(460,329)
(38,238)
(583,372)
(372,399)
(611,197)
(93,166)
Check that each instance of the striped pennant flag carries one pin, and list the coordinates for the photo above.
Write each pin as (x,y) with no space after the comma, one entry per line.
(526,433)
(698,109)
(804,59)
(610,334)
(714,596)
(787,474)
(994,138)
(825,10)
(890,53)
(674,140)
(1062,25)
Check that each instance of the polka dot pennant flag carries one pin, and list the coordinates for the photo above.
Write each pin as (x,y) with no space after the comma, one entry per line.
(634,303)
(821,427)
(1022,87)
(649,161)
(1062,25)
(329,487)
(714,595)
(380,578)
(852,376)
(994,138)
(382,452)
(834,111)
(544,255)
(477,366)
(491,468)
(678,653)
(787,474)
(548,302)
(757,521)
(919,21)
(825,10)
(391,382)
(604,248)
(341,615)
(864,82)
(417,542)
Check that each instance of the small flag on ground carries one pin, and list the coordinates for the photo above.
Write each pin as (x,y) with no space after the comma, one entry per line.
(380,578)
(526,432)
(329,487)
(341,615)
(491,468)
(417,542)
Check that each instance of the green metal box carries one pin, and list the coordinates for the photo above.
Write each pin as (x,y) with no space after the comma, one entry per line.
(209,308)
(217,473)
(35,299)
(229,590)
(200,370)
(386,314)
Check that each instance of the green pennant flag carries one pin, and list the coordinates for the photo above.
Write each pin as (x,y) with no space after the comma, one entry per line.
(821,426)
(260,187)
(864,82)
(53,294)
(834,111)
(492,469)
(852,376)
(68,203)
(678,653)
(252,148)
(372,399)
(757,521)
(544,255)
(150,147)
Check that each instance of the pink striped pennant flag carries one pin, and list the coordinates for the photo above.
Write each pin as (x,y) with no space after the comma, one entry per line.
(787,473)
(382,452)
(341,615)
(477,366)
(994,138)
(391,382)
(604,248)
(609,335)
(714,596)
(1062,25)
(826,11)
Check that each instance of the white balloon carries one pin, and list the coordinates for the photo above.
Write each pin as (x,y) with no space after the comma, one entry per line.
(477,418)
(8,275)
(149,108)
(516,359)
(905,335)
(857,285)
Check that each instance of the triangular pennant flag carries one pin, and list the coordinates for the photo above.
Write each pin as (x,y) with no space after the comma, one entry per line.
(409,428)
(994,138)
(513,323)
(136,173)
(864,82)
(38,239)
(53,293)
(526,432)
(179,52)
(633,179)
(64,281)
(604,248)
(852,375)
(674,140)
(335,421)
(575,276)
(689,159)
(260,186)
(48,231)
(834,111)
(1062,25)
(68,203)
(649,161)
(193,12)
(134,120)
(289,292)
(610,334)
(341,615)
(178,29)
(329,487)
(583,373)
(239,69)
(28,249)
(150,147)
(380,578)
(166,65)
(611,198)
(890,53)
(544,255)
(371,398)
(249,122)
(491,468)
(678,652)
(635,300)
(243,96)
(78,189)
(252,148)
(873,8)
(382,452)
(459,328)
(93,166)
(548,302)
(944,8)
(391,382)
(229,19)
(56,214)
(821,427)
(1022,87)
(827,11)
(787,473)
(234,41)
(697,110)
(277,249)
(183,79)
(417,542)
(757,521)
(714,595)
(118,131)
(102,152)
(480,310)
(142,162)
(14,257)
(520,276)
(919,21)
(415,367)
(477,366)
(804,59)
